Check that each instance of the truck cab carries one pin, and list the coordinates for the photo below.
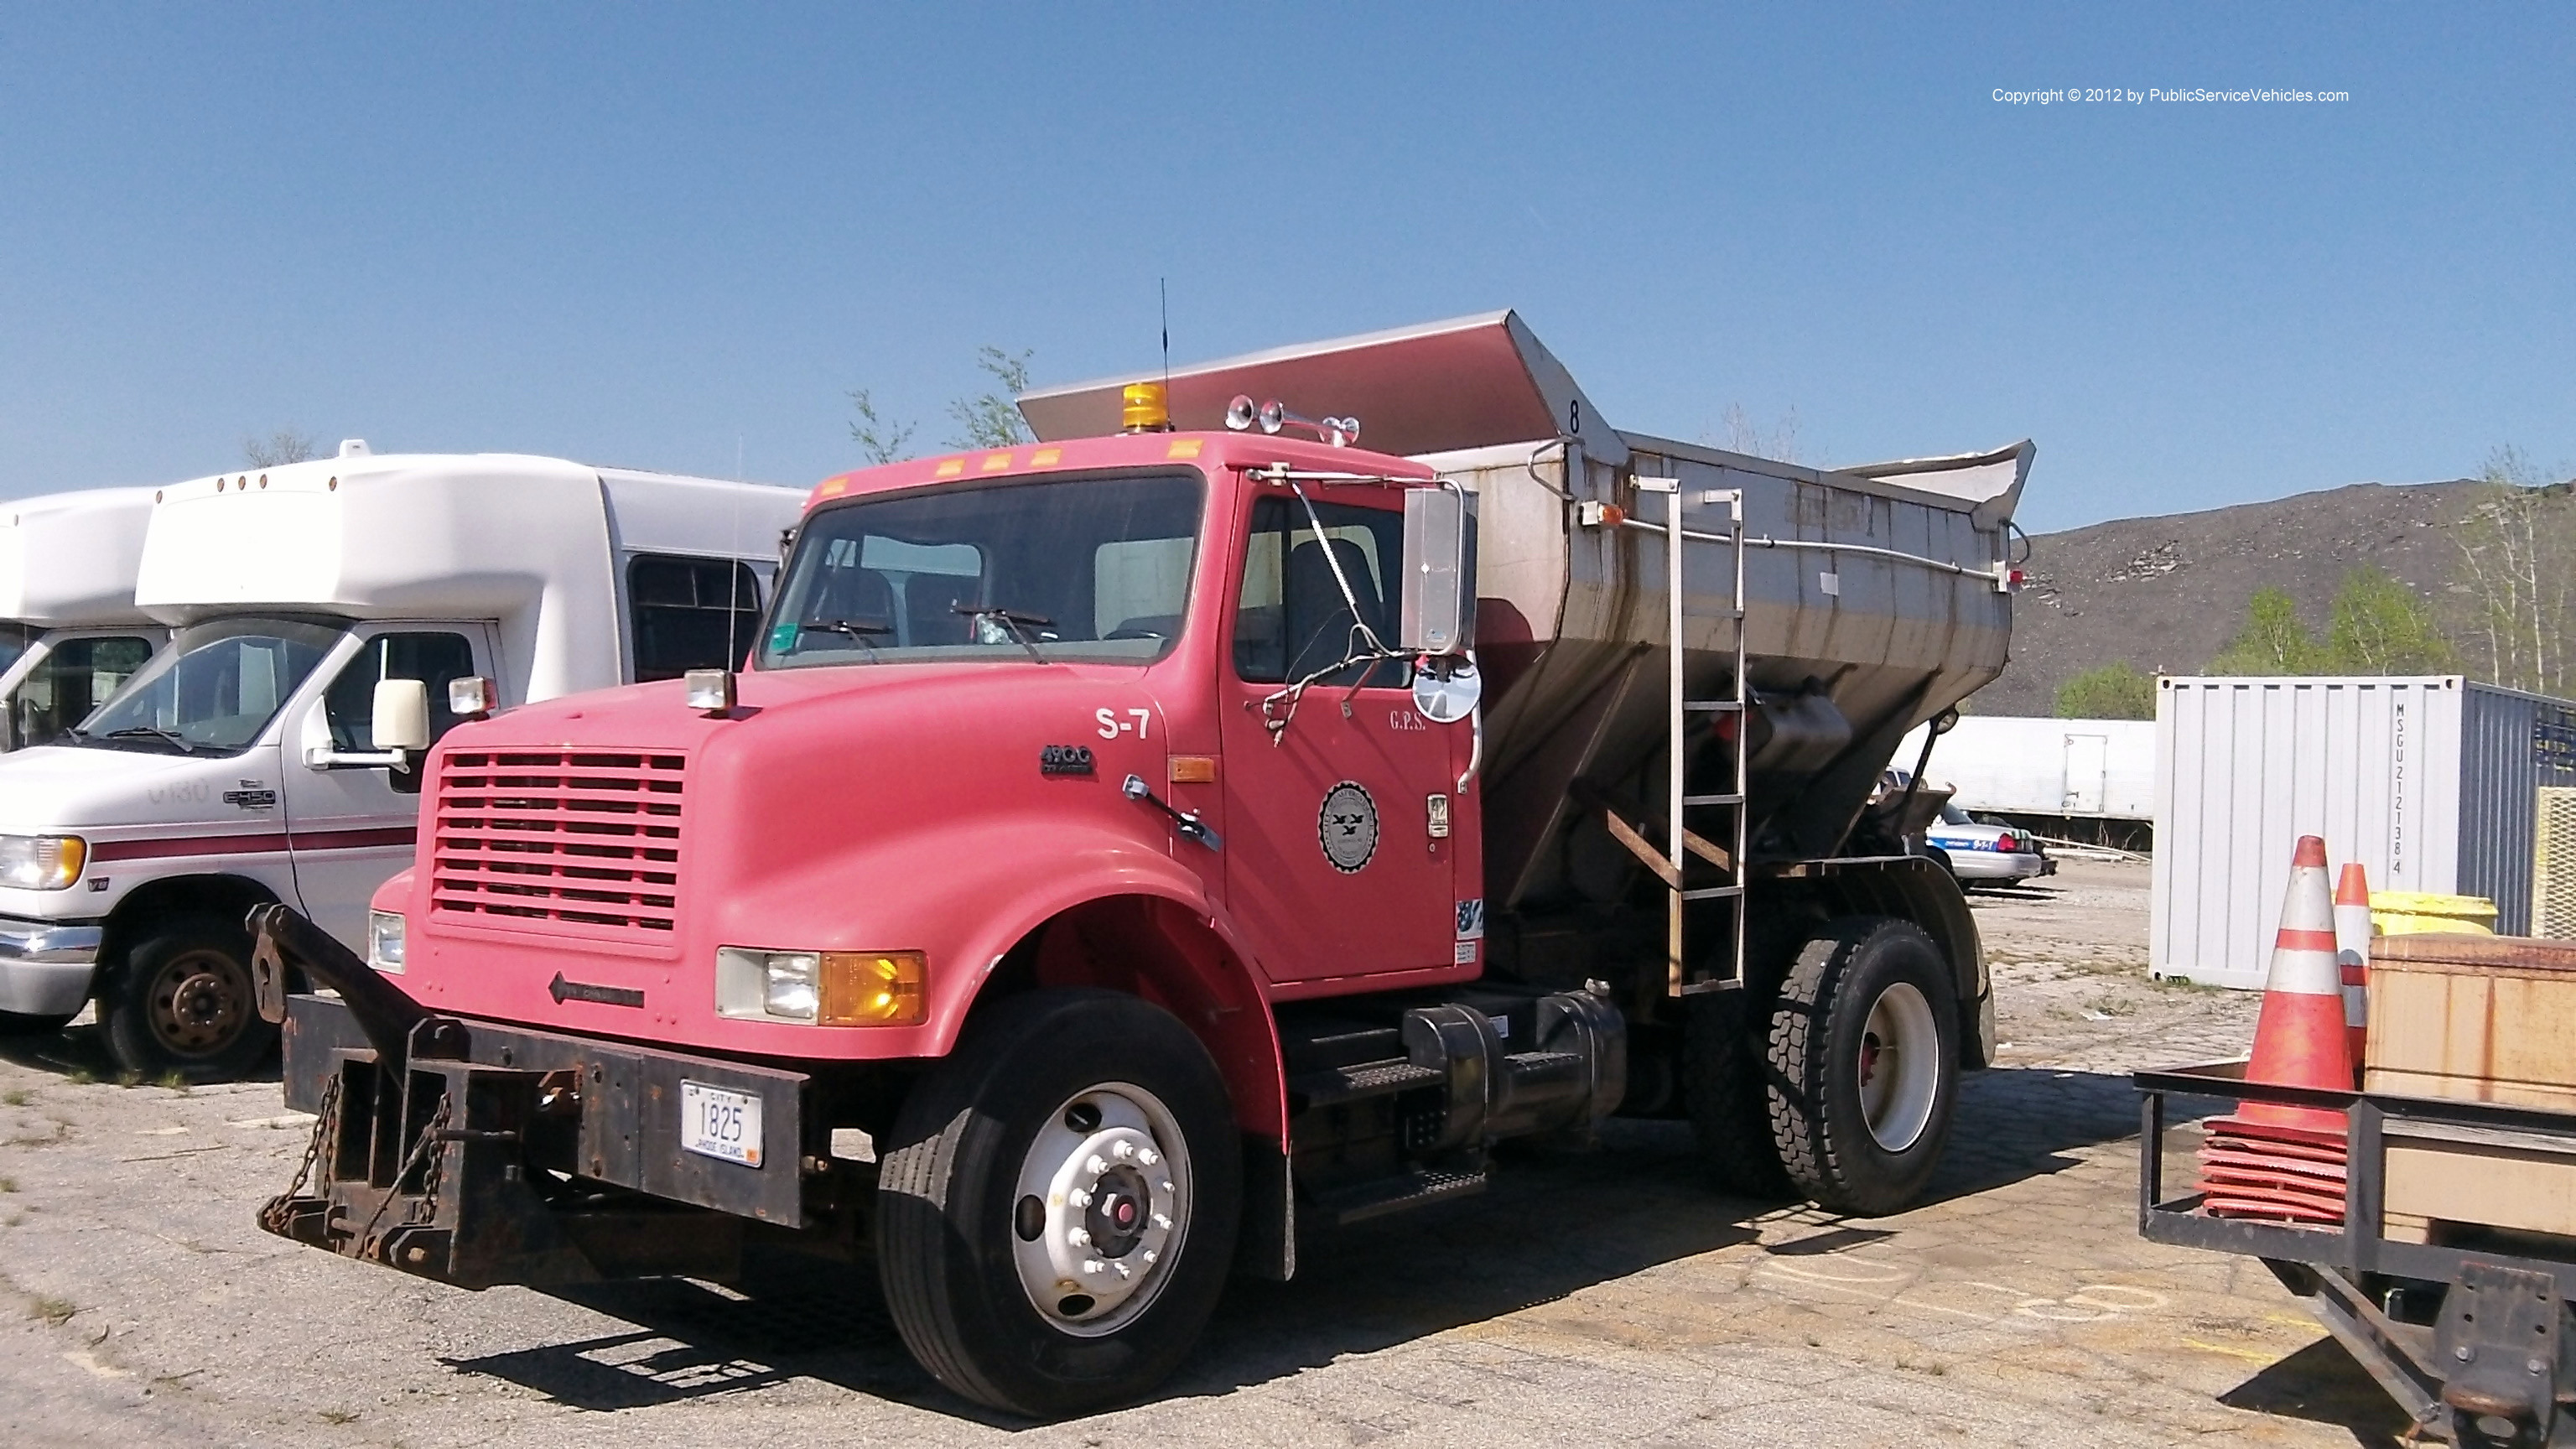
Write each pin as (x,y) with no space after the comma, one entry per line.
(240,766)
(1128,853)
(69,630)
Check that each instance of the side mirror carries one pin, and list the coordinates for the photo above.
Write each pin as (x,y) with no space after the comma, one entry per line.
(402,715)
(1439,585)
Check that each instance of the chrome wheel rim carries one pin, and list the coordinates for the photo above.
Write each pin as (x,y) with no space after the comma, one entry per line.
(1899,1067)
(1101,1209)
(199,1001)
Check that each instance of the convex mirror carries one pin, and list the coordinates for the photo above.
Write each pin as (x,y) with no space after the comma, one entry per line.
(1447,689)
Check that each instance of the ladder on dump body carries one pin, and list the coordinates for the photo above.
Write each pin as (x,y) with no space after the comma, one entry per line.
(1687,800)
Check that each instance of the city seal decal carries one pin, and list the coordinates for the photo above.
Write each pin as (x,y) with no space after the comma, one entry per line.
(1347,825)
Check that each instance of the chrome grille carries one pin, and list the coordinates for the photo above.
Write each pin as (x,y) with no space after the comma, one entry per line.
(567,842)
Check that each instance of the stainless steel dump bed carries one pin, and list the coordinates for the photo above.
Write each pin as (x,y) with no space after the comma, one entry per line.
(1874,598)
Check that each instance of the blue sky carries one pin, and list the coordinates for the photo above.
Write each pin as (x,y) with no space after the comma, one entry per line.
(675,236)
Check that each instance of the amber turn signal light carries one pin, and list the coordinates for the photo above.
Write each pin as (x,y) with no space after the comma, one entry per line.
(874,988)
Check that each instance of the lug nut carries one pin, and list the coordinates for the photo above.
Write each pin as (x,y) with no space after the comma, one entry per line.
(1167,1187)
(1077,1198)
(1079,1237)
(1122,1150)
(1092,1265)
(1149,1262)
(1095,1166)
(1147,1157)
(1122,1270)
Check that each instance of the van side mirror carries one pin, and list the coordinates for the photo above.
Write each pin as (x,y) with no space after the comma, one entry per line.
(1438,589)
(402,715)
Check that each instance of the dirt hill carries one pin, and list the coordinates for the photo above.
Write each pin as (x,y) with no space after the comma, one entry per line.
(2166,594)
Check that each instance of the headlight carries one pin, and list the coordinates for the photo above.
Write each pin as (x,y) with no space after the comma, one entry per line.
(42,862)
(385,941)
(823,988)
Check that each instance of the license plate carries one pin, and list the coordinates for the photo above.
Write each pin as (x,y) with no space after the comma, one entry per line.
(720,1124)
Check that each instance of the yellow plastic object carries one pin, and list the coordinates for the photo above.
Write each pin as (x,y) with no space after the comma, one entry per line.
(1143,409)
(2423,913)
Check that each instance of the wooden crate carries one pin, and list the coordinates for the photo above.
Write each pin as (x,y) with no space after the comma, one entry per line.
(2473,1018)
(2478,1019)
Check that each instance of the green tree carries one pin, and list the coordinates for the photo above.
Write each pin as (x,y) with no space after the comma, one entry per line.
(2273,640)
(2379,626)
(2517,568)
(2114,691)
(881,438)
(991,419)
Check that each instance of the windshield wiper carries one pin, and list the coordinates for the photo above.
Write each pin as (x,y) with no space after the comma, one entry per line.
(183,745)
(1015,621)
(857,629)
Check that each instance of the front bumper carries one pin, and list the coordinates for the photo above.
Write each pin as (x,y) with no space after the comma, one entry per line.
(46,966)
(495,1154)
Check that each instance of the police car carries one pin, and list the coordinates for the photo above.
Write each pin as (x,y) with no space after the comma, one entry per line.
(1986,854)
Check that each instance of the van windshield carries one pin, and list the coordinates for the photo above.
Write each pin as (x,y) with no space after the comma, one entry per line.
(1093,568)
(214,689)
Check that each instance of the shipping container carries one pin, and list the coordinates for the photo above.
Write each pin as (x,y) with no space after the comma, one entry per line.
(2081,769)
(2433,783)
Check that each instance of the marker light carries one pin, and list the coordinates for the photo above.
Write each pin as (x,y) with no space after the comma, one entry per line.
(822,988)
(42,862)
(471,696)
(1145,409)
(710,690)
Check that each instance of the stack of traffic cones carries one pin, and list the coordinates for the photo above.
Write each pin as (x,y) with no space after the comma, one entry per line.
(2287,1163)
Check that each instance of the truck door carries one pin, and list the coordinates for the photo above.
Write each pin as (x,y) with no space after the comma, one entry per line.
(2088,762)
(1331,869)
(350,829)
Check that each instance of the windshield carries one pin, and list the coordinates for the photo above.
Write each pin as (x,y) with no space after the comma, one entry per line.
(14,639)
(1056,568)
(1953,815)
(214,689)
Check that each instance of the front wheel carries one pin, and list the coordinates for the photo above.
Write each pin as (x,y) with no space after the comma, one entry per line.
(1057,1210)
(1864,1058)
(182,1004)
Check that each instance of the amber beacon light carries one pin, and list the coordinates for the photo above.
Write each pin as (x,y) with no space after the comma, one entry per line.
(1145,408)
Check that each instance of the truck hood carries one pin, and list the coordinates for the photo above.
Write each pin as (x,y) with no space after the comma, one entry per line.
(83,789)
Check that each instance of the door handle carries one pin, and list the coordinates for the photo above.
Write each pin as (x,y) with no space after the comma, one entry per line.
(1187,822)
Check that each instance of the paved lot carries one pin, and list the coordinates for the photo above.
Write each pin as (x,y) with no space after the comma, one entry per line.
(1607,1296)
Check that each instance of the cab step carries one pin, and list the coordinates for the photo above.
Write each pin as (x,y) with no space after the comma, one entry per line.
(1419,1188)
(1329,1085)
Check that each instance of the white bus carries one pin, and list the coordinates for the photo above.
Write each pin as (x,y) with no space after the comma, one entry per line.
(239,767)
(69,630)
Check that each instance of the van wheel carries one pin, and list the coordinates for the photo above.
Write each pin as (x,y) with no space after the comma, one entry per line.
(1056,1214)
(1864,1065)
(183,1004)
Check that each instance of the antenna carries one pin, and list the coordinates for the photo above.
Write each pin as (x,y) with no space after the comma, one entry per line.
(1163,286)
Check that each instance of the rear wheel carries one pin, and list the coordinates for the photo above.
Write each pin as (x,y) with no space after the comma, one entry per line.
(1057,1211)
(183,1004)
(1864,1064)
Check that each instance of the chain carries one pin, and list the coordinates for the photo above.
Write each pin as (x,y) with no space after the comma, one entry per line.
(325,1125)
(421,1147)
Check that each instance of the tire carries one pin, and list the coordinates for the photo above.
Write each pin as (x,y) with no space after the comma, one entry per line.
(182,1004)
(18,1023)
(1724,1094)
(958,1235)
(1853,1134)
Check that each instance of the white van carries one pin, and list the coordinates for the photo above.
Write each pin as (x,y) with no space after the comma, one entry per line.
(239,767)
(69,630)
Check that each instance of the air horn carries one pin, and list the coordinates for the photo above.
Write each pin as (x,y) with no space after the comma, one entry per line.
(1270,417)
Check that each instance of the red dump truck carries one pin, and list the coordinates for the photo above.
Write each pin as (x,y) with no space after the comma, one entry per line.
(1127,850)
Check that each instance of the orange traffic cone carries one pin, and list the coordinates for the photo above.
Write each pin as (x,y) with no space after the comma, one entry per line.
(2270,1161)
(2352,956)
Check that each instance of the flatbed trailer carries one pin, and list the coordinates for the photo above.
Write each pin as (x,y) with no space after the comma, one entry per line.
(2468,1333)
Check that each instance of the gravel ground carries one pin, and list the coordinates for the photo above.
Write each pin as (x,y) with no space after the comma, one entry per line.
(1610,1295)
